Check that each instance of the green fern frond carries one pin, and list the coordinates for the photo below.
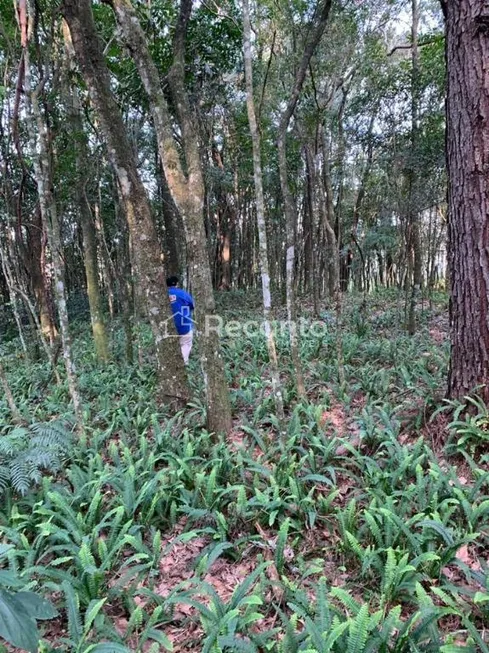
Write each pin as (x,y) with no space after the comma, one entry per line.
(75,625)
(359,629)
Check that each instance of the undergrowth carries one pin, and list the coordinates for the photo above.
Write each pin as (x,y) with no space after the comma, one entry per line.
(352,533)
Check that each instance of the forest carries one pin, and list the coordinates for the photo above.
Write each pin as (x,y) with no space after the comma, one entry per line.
(244,332)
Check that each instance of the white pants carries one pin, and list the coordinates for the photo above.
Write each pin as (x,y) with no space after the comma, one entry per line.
(186,342)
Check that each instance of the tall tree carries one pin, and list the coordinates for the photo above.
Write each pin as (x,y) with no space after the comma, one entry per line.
(148,266)
(317,28)
(260,211)
(187,189)
(415,275)
(42,140)
(90,256)
(467,52)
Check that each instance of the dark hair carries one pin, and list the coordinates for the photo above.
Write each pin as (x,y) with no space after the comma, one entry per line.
(172,281)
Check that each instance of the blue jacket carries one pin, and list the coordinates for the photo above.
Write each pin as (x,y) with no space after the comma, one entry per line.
(182,305)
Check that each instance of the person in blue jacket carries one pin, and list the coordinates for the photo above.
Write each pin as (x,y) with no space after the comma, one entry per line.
(182,306)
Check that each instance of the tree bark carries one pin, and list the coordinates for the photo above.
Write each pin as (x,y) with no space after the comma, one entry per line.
(17,289)
(414,243)
(88,228)
(36,252)
(226,219)
(172,222)
(260,214)
(308,222)
(187,190)
(38,131)
(327,213)
(290,209)
(148,265)
(13,301)
(467,50)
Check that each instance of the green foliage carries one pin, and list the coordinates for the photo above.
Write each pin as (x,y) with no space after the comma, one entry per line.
(469,425)
(28,451)
(347,546)
(19,609)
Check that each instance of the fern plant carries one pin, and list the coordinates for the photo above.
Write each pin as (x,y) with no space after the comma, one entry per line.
(28,451)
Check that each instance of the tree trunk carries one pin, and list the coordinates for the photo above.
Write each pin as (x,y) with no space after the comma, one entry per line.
(42,168)
(260,213)
(17,289)
(13,302)
(290,209)
(226,213)
(172,222)
(88,228)
(328,221)
(187,190)
(414,243)
(107,267)
(36,246)
(124,278)
(148,264)
(327,213)
(308,222)
(467,49)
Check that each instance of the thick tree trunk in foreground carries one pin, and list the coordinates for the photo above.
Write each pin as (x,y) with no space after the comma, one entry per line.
(290,209)
(467,48)
(148,267)
(187,191)
(260,213)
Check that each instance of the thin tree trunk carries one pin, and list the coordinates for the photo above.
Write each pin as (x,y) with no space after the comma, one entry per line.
(42,167)
(124,278)
(35,320)
(148,266)
(327,214)
(188,190)
(260,214)
(467,49)
(36,246)
(50,218)
(88,228)
(414,243)
(107,267)
(359,203)
(13,294)
(226,227)
(308,222)
(290,209)
(328,221)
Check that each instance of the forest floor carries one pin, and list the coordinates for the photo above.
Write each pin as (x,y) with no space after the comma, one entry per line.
(362,528)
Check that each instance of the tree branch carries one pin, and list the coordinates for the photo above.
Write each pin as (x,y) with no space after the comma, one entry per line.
(408,46)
